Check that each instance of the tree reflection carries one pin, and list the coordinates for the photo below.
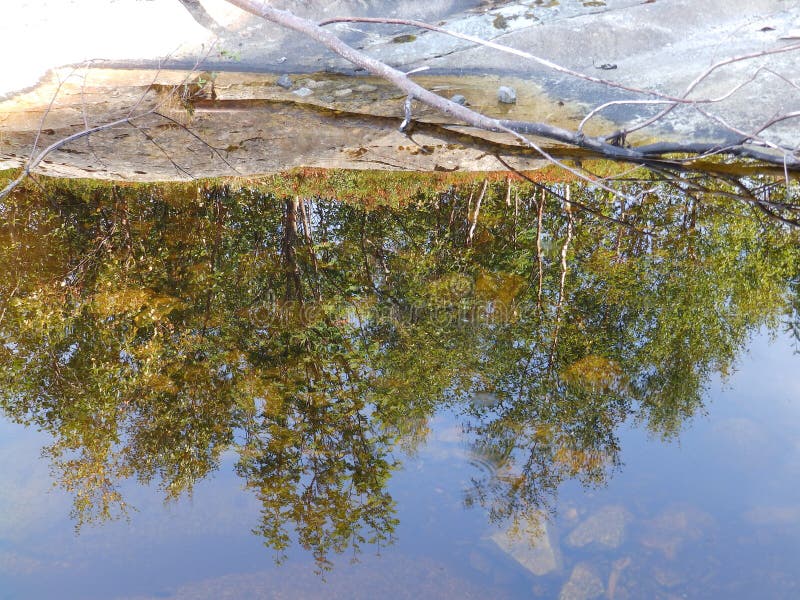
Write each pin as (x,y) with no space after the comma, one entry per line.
(150,329)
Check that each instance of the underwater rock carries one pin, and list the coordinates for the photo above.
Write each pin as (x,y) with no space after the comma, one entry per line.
(605,527)
(531,543)
(673,527)
(506,94)
(666,577)
(583,584)
(285,82)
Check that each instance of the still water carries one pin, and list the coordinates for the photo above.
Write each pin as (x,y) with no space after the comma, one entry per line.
(219,393)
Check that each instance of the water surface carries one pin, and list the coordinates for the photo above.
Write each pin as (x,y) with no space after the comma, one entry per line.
(225,392)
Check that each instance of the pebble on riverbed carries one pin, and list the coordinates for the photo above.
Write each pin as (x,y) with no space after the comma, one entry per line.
(285,82)
(459,99)
(303,92)
(506,94)
(583,584)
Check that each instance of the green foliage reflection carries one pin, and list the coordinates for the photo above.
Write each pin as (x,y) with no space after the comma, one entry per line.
(150,330)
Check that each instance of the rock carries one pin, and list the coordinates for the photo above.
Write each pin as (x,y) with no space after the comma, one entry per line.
(327,98)
(673,527)
(531,544)
(459,99)
(285,82)
(303,92)
(583,584)
(343,93)
(657,45)
(570,514)
(479,562)
(616,574)
(366,87)
(666,577)
(506,94)
(605,527)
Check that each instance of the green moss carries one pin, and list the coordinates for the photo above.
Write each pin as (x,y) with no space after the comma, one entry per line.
(403,39)
(500,22)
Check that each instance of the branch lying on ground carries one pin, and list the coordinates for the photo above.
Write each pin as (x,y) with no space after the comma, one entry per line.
(34,160)
(516,128)
(661,98)
(744,144)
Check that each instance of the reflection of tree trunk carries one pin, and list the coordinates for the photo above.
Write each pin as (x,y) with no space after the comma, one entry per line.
(474,217)
(310,241)
(469,206)
(560,303)
(453,204)
(516,215)
(219,225)
(540,257)
(692,228)
(620,229)
(288,247)
(365,253)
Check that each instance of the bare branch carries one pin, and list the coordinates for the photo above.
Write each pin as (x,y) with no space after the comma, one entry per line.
(35,161)
(515,128)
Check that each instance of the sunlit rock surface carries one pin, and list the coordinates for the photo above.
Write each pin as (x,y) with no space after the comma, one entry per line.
(213,54)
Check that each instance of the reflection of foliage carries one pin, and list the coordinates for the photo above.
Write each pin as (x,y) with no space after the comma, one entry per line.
(152,329)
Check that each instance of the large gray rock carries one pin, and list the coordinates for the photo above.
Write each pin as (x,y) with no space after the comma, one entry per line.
(658,46)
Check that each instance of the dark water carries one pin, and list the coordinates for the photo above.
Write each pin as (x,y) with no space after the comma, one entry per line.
(394,403)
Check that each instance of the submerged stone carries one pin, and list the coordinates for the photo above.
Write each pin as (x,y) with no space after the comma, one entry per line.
(583,584)
(666,577)
(605,527)
(303,92)
(674,527)
(285,82)
(531,543)
(459,99)
(506,94)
